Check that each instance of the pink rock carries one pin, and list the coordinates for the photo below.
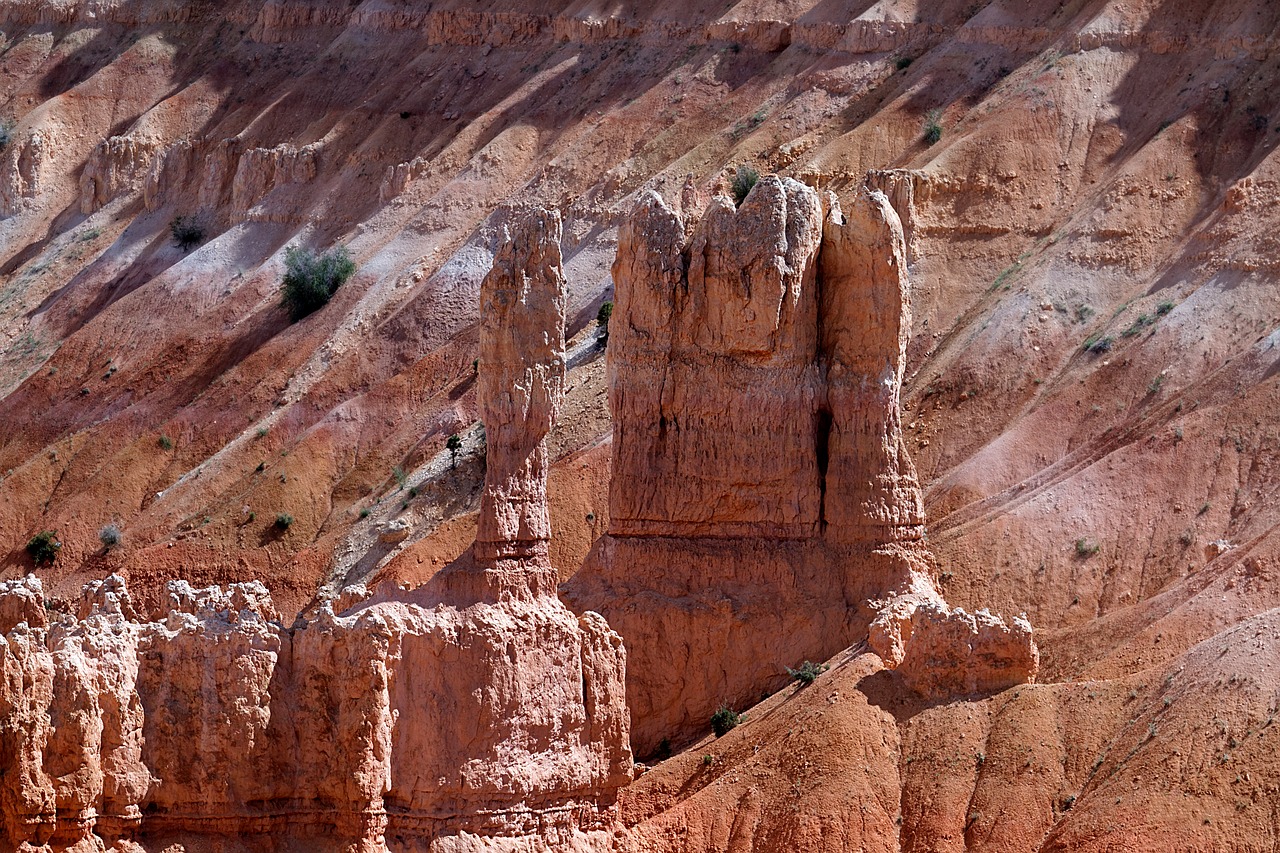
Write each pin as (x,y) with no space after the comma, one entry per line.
(763,501)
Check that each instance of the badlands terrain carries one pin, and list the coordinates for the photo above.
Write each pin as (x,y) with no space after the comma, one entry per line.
(1076,195)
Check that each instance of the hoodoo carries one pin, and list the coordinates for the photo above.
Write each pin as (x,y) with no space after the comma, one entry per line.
(763,508)
(476,706)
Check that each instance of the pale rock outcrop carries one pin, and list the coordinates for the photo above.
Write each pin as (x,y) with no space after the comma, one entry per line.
(477,712)
(116,165)
(763,506)
(522,302)
(396,178)
(227,174)
(22,163)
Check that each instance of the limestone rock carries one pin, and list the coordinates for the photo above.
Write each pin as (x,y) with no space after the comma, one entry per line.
(521,382)
(762,496)
(872,491)
(21,165)
(115,166)
(477,707)
(941,651)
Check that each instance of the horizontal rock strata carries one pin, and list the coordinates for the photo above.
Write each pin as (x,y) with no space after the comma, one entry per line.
(476,707)
(762,496)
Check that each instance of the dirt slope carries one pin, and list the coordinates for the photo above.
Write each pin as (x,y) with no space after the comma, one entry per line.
(1091,388)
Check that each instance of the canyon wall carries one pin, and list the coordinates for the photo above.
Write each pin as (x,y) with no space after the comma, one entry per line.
(475,707)
(763,507)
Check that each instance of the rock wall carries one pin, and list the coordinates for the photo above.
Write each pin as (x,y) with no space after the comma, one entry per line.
(476,707)
(763,509)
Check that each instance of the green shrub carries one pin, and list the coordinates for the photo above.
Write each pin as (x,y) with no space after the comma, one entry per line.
(187,232)
(6,133)
(904,62)
(807,672)
(743,182)
(933,126)
(725,720)
(44,547)
(454,444)
(602,321)
(165,442)
(284,521)
(310,279)
(110,536)
(1086,549)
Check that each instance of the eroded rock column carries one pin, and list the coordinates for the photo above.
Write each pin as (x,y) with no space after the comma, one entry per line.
(477,711)
(763,509)
(520,386)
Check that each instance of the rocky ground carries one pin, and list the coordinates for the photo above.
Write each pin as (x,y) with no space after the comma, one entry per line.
(1087,397)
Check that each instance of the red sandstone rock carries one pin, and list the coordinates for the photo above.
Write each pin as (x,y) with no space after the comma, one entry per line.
(762,494)
(476,707)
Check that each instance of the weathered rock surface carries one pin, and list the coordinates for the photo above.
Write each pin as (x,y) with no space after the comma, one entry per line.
(522,353)
(762,494)
(477,711)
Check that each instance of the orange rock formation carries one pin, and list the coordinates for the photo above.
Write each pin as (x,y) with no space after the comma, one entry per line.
(478,706)
(1088,390)
(763,508)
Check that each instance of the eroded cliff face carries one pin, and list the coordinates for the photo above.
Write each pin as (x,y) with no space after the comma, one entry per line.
(477,707)
(763,507)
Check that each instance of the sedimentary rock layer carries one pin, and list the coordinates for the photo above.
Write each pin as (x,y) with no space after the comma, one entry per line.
(478,704)
(763,506)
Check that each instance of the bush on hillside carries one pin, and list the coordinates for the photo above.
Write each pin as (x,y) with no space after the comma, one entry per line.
(43,548)
(743,182)
(187,232)
(311,279)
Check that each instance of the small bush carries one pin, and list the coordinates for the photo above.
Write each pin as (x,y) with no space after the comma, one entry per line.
(310,280)
(807,673)
(454,444)
(1101,345)
(6,133)
(725,720)
(110,536)
(904,62)
(602,321)
(1138,325)
(44,547)
(165,442)
(933,126)
(284,521)
(708,760)
(187,232)
(1086,549)
(743,182)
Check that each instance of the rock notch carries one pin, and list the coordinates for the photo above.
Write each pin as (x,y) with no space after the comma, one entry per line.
(764,509)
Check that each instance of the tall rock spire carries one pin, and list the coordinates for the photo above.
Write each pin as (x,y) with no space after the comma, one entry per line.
(522,302)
